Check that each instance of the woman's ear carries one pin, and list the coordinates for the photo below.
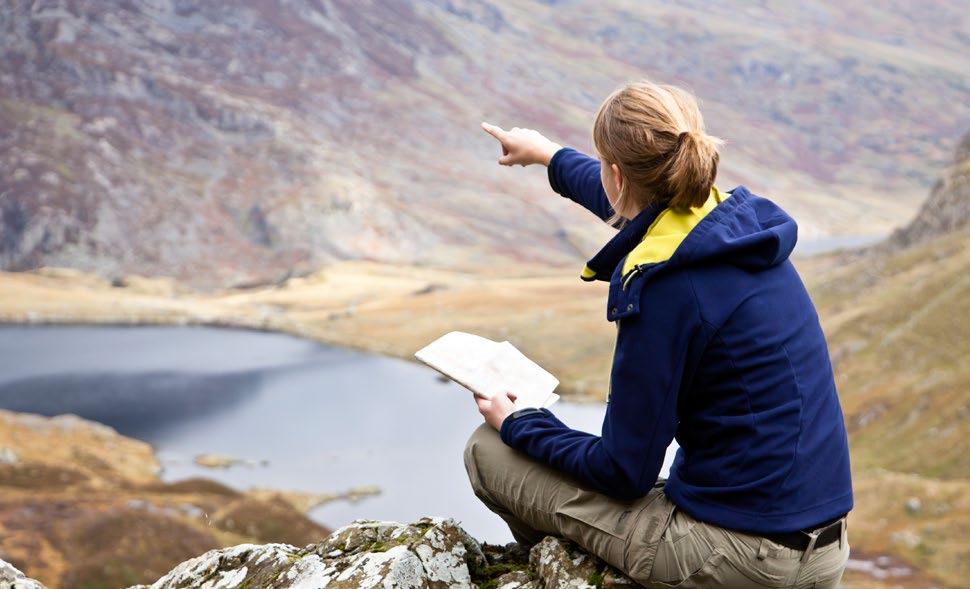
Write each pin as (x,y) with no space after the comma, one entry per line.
(617,178)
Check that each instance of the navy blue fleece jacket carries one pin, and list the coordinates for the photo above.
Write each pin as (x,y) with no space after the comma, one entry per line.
(719,347)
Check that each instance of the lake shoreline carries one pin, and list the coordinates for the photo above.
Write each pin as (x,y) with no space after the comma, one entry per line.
(69,482)
(37,298)
(243,326)
(294,414)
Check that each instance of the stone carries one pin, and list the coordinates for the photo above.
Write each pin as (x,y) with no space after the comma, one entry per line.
(907,538)
(9,456)
(12,578)
(515,580)
(561,564)
(429,553)
(614,579)
(914,505)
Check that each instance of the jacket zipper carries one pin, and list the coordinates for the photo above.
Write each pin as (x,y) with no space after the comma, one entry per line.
(637,269)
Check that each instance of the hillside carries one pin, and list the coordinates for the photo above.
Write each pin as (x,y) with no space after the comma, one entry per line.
(897,316)
(898,328)
(229,145)
(82,506)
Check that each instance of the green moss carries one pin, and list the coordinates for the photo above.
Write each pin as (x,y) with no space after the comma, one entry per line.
(595,579)
(486,577)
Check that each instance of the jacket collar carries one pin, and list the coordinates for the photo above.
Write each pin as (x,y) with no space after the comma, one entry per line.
(602,265)
(654,235)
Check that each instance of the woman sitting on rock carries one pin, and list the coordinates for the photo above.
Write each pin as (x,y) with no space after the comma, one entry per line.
(718,346)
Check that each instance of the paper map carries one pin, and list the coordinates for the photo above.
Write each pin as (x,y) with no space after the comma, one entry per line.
(488,368)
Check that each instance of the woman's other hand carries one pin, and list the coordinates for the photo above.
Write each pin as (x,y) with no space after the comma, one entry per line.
(496,409)
(522,146)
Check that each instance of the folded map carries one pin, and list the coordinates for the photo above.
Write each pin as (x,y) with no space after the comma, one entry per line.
(489,368)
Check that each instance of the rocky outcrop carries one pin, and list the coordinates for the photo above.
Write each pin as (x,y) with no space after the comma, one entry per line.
(948,207)
(432,552)
(12,578)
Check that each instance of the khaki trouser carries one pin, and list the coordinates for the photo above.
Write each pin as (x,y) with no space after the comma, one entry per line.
(649,539)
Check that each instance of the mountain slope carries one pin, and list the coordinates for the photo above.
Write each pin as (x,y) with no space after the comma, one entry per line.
(897,317)
(226,144)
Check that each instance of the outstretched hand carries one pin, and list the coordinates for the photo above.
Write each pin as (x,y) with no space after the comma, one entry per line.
(522,146)
(496,409)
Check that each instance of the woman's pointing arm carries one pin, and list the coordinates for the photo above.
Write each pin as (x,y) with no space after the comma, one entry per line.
(571,173)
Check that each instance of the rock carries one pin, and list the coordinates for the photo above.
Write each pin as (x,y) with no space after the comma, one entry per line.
(907,538)
(914,505)
(11,578)
(8,456)
(431,552)
(515,580)
(258,565)
(614,579)
(474,555)
(561,564)
(366,553)
(948,206)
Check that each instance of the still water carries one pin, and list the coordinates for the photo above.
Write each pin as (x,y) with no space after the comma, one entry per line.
(323,419)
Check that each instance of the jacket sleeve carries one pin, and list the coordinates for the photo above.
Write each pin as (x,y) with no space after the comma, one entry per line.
(656,353)
(576,176)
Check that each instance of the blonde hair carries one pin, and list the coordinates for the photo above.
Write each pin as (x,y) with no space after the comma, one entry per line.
(655,134)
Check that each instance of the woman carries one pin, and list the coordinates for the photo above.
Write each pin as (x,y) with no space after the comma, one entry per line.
(718,345)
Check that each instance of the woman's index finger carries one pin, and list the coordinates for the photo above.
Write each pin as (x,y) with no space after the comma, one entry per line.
(494,130)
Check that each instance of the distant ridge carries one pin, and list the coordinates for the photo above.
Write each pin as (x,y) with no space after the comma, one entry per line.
(948,207)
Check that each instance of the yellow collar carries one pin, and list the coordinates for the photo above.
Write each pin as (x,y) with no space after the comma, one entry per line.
(668,230)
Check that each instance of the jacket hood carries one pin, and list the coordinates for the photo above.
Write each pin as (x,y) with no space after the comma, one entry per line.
(744,230)
(737,227)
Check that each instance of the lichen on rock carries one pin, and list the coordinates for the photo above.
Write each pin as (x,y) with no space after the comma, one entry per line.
(561,565)
(429,553)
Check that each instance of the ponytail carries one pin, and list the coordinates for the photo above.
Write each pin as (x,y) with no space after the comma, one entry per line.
(691,171)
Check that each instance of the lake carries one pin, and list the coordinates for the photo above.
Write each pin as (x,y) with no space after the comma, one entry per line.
(323,419)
